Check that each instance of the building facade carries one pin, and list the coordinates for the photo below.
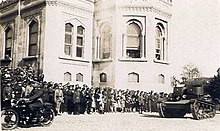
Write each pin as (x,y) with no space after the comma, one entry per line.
(131,45)
(108,43)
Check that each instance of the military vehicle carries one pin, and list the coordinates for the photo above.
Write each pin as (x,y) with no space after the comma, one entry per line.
(191,99)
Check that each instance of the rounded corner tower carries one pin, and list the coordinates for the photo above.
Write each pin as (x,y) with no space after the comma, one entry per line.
(131,44)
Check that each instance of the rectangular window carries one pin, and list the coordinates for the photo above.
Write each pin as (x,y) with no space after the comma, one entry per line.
(133,78)
(8,43)
(79,77)
(68,39)
(33,39)
(80,41)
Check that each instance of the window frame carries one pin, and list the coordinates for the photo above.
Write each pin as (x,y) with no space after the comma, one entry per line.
(161,79)
(80,46)
(139,36)
(79,77)
(160,53)
(30,38)
(103,77)
(131,77)
(67,76)
(6,39)
(70,45)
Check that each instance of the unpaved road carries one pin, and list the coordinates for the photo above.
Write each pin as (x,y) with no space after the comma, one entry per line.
(128,122)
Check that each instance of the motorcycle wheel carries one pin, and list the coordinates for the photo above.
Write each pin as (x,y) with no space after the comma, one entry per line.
(49,115)
(9,119)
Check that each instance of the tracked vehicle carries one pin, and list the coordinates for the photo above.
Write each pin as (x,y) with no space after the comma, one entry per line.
(187,100)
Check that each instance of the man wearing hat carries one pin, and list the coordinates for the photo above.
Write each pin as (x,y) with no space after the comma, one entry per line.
(58,96)
(36,97)
(6,95)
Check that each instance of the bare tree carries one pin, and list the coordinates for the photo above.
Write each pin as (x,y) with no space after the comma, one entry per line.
(190,72)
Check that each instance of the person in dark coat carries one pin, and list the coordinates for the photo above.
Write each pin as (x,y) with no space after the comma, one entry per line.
(76,100)
(88,100)
(70,106)
(83,100)
(35,99)
(50,91)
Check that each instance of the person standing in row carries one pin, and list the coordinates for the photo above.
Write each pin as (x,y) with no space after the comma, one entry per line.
(58,97)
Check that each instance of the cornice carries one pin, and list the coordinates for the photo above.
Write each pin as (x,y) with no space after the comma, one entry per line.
(66,5)
(145,9)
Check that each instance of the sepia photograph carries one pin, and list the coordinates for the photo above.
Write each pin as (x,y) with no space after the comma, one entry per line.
(110,65)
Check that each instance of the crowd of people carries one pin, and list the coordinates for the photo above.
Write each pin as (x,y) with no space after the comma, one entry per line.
(75,99)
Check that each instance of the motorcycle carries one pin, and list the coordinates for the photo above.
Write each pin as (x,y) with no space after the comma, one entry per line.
(20,114)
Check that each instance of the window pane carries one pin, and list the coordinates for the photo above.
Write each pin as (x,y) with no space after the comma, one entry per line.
(33,27)
(7,53)
(67,76)
(33,38)
(67,50)
(103,77)
(133,28)
(8,43)
(133,42)
(32,50)
(79,51)
(80,41)
(106,55)
(8,33)
(133,77)
(68,28)
(68,38)
(80,30)
(133,53)
(79,77)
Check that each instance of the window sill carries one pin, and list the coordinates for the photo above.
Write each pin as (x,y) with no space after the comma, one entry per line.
(73,59)
(102,60)
(161,62)
(30,57)
(133,60)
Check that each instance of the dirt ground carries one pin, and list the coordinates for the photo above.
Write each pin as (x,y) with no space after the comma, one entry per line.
(128,122)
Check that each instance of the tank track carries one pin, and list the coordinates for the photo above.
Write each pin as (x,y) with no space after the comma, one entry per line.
(202,110)
(170,113)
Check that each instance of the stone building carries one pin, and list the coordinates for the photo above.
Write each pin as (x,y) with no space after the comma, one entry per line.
(108,43)
(131,44)
(53,36)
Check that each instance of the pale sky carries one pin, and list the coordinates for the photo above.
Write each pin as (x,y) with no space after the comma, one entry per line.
(195,35)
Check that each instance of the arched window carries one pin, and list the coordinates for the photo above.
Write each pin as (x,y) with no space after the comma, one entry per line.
(133,77)
(80,41)
(79,77)
(103,77)
(106,42)
(160,46)
(161,79)
(67,76)
(133,40)
(68,39)
(33,38)
(8,43)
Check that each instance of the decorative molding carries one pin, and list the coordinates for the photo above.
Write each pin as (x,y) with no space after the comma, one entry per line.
(73,59)
(145,9)
(69,6)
